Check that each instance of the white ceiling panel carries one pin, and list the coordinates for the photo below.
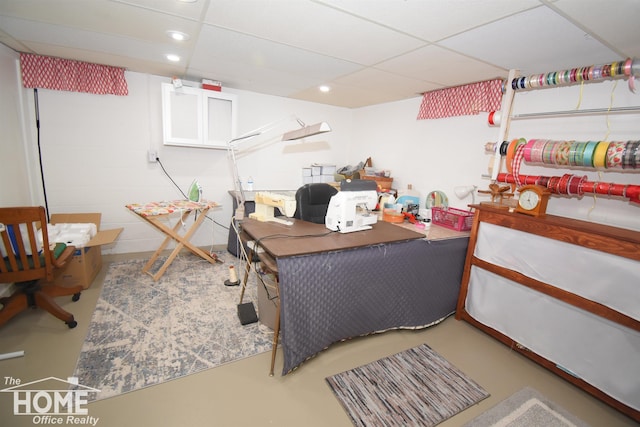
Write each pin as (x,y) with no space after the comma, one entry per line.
(103,17)
(441,66)
(368,51)
(259,54)
(313,27)
(185,9)
(432,20)
(519,42)
(619,29)
(82,40)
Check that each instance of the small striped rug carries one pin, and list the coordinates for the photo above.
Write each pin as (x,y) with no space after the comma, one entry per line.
(416,387)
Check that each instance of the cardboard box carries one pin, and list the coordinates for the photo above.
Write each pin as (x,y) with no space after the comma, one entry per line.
(86,262)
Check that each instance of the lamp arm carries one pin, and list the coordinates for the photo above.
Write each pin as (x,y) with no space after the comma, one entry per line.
(234,143)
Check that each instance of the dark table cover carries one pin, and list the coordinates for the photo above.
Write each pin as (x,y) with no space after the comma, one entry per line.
(331,296)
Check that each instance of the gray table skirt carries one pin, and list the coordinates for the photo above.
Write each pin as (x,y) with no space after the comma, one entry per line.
(329,297)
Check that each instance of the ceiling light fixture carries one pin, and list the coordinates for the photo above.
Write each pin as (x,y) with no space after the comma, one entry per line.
(178,35)
(173,58)
(324,88)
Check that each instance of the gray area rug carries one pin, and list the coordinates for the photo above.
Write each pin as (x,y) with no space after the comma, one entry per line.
(526,408)
(144,333)
(416,387)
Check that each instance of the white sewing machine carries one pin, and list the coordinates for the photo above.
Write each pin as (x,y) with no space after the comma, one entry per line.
(350,209)
(266,202)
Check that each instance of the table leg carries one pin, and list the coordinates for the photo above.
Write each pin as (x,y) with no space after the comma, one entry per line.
(276,334)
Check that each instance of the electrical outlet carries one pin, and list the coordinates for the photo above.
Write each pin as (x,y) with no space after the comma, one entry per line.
(152,156)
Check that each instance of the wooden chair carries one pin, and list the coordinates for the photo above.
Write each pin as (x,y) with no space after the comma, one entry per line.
(19,242)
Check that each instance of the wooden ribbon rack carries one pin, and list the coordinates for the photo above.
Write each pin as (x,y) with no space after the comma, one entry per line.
(588,154)
(628,68)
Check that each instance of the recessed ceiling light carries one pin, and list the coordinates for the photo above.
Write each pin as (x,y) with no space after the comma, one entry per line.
(178,35)
(324,88)
(173,58)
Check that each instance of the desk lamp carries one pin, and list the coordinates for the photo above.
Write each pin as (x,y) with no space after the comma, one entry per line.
(304,132)
(463,191)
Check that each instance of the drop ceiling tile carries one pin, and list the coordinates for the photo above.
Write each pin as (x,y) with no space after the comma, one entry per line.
(240,76)
(385,82)
(535,41)
(262,55)
(129,63)
(311,27)
(432,20)
(190,10)
(346,96)
(617,27)
(101,17)
(442,66)
(30,33)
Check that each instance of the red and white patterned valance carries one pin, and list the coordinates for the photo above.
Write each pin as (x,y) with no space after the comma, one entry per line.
(463,100)
(46,72)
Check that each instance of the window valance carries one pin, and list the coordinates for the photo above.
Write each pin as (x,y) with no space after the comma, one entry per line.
(462,100)
(47,72)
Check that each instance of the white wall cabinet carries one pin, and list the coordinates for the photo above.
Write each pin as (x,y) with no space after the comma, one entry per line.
(193,117)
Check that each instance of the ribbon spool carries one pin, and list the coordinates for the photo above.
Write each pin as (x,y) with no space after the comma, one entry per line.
(233,277)
(494,118)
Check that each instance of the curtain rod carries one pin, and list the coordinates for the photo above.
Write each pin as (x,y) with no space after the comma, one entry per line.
(619,110)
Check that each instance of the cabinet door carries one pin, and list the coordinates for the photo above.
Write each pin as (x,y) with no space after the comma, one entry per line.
(195,117)
(220,118)
(182,118)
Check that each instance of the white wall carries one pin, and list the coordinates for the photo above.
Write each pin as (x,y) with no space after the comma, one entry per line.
(95,150)
(14,174)
(95,156)
(441,154)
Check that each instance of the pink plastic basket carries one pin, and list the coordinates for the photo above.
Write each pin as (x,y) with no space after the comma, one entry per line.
(455,219)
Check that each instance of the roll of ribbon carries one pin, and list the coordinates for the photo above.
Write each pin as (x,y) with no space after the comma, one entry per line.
(537,149)
(511,151)
(628,160)
(563,184)
(517,161)
(552,185)
(575,185)
(503,148)
(490,147)
(576,153)
(494,118)
(527,150)
(547,153)
(589,149)
(600,155)
(615,154)
(561,153)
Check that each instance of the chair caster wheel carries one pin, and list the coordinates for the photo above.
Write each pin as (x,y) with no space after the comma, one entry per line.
(72,324)
(75,297)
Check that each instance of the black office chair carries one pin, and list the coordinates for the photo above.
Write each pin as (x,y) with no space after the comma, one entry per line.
(312,201)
